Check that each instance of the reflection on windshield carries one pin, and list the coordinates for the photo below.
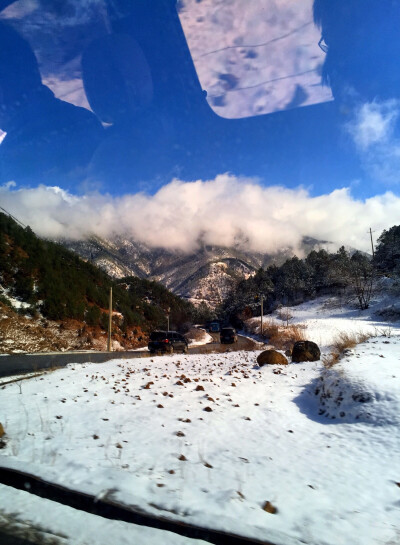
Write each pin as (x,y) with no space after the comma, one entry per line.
(265,60)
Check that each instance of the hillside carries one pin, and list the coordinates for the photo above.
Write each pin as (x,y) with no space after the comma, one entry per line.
(205,275)
(53,287)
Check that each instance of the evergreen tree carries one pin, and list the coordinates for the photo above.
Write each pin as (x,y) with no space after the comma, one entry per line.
(387,253)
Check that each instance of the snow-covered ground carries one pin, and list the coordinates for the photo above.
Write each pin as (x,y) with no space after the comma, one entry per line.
(325,318)
(201,338)
(208,439)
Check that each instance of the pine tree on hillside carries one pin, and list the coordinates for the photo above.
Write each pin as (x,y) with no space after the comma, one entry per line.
(387,253)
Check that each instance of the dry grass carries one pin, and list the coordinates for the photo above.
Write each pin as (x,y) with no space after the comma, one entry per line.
(280,337)
(342,342)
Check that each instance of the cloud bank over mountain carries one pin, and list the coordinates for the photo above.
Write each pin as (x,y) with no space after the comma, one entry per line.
(225,211)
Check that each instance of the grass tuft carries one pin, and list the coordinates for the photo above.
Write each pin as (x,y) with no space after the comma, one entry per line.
(281,337)
(342,342)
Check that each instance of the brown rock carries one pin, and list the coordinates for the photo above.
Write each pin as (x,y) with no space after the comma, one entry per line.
(269,508)
(305,351)
(271,357)
(2,432)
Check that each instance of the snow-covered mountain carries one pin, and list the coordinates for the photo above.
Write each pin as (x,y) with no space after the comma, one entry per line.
(205,275)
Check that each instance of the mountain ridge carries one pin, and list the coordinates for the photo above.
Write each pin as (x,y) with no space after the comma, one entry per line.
(205,275)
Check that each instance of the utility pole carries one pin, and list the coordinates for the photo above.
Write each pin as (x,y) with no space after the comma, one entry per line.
(372,243)
(262,312)
(167,322)
(109,323)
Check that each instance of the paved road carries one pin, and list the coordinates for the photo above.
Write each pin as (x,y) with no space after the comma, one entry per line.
(27,363)
(243,344)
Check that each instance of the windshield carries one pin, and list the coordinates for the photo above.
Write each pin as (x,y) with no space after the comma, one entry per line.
(158,336)
(166,167)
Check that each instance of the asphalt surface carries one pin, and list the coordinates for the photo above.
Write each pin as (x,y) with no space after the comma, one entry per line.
(15,364)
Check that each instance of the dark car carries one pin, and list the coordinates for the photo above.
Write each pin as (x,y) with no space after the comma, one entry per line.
(214,327)
(228,335)
(167,342)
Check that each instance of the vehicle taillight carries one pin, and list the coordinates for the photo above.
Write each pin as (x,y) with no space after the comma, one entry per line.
(166,341)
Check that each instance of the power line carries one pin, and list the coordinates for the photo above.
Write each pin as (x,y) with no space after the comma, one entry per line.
(247,46)
(268,81)
(13,217)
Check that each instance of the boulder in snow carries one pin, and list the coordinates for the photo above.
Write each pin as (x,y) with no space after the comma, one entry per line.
(271,357)
(305,351)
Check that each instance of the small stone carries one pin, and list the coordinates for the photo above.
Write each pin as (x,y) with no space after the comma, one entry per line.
(199,388)
(208,409)
(269,508)
(2,431)
(182,458)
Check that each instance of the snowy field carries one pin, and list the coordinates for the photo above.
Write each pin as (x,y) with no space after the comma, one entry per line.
(209,439)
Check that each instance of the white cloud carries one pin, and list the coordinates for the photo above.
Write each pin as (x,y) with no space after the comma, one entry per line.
(373,129)
(224,211)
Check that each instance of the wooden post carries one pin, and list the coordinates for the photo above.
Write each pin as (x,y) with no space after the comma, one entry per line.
(372,242)
(262,313)
(109,323)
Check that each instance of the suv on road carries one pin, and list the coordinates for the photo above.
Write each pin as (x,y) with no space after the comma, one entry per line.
(167,342)
(228,335)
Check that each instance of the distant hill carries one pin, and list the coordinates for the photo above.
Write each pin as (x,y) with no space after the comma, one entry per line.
(206,275)
(47,282)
